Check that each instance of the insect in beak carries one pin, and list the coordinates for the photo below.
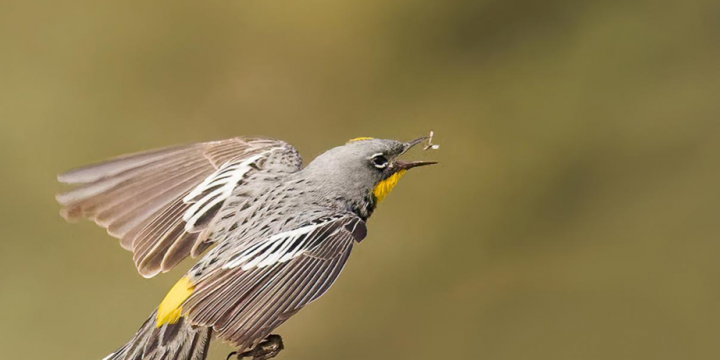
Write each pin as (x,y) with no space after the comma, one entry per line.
(405,165)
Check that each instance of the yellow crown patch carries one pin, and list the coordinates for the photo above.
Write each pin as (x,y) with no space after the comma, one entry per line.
(360,138)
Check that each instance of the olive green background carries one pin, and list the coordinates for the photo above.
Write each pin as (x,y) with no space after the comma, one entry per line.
(574,215)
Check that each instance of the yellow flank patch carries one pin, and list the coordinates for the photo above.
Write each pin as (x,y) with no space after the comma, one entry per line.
(170,309)
(360,138)
(383,188)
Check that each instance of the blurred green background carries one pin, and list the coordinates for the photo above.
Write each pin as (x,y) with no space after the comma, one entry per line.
(575,213)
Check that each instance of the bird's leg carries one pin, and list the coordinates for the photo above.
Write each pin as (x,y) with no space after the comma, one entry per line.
(266,349)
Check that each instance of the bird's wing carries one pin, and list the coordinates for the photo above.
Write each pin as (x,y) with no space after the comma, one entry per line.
(262,285)
(160,203)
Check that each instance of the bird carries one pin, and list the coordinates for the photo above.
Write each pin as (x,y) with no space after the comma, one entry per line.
(271,235)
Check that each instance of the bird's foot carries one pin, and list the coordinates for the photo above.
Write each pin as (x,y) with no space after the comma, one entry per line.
(266,349)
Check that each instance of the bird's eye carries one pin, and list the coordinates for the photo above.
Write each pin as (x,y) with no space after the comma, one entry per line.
(379,161)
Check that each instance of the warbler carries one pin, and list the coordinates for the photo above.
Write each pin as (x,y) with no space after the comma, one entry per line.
(275,234)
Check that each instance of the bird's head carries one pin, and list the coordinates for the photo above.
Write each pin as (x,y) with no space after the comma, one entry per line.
(366,169)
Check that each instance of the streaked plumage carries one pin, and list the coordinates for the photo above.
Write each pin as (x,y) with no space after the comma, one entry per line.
(282,233)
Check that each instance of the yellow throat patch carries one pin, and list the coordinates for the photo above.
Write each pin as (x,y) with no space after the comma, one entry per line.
(170,309)
(383,188)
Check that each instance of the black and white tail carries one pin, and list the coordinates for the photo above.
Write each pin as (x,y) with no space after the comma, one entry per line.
(178,341)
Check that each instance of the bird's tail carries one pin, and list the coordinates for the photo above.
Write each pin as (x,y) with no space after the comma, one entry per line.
(176,341)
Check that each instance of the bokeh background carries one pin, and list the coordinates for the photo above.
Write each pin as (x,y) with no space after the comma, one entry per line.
(575,213)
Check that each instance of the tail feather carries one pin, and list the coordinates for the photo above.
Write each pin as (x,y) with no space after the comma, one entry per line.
(178,341)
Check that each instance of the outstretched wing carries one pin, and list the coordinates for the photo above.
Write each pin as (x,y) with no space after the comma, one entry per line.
(161,203)
(262,285)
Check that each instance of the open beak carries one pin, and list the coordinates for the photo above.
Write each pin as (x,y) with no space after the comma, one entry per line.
(405,165)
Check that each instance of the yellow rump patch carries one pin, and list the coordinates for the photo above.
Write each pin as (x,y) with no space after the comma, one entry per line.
(170,309)
(360,138)
(383,188)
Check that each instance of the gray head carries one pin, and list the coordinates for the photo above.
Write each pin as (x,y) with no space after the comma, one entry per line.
(364,170)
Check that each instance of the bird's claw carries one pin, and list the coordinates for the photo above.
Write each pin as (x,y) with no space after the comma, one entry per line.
(266,349)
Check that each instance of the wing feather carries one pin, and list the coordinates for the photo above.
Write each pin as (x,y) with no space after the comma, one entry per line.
(244,303)
(95,172)
(144,198)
